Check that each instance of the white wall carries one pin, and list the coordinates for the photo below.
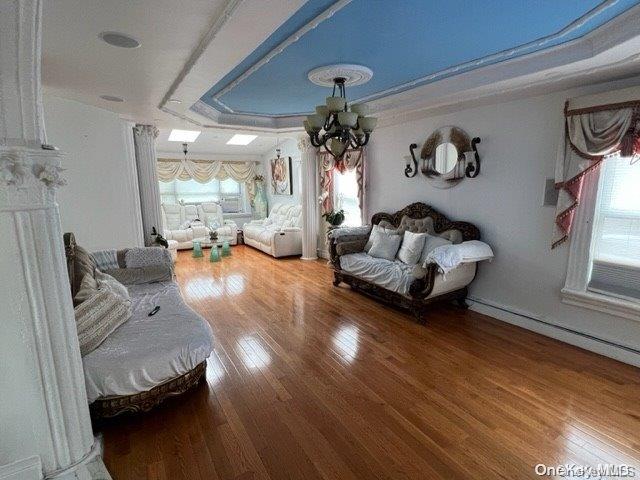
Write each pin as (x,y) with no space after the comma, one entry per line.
(289,148)
(518,151)
(99,202)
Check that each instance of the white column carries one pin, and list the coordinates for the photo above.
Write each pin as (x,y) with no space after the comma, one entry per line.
(45,429)
(309,198)
(145,146)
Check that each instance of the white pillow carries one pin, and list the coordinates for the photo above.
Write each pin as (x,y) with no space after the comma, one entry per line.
(385,245)
(375,231)
(430,243)
(411,249)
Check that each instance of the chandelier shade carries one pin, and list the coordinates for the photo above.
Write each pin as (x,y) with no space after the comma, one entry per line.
(338,126)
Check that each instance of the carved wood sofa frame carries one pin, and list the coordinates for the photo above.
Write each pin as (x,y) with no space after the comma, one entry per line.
(416,302)
(108,407)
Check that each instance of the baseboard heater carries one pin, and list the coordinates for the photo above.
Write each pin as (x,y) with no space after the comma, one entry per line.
(553,325)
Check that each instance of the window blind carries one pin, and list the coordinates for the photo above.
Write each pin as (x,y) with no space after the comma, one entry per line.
(228,193)
(616,235)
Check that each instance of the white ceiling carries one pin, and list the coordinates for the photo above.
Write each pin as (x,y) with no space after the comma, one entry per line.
(214,142)
(78,65)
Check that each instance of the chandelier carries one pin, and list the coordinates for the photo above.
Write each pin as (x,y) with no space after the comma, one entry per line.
(338,126)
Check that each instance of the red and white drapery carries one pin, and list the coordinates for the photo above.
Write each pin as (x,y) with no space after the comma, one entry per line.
(594,127)
(329,167)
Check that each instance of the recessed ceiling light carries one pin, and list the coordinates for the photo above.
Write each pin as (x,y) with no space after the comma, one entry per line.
(239,139)
(112,98)
(119,40)
(175,100)
(183,135)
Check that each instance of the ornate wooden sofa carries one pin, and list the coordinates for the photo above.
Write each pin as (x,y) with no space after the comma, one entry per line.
(147,359)
(427,284)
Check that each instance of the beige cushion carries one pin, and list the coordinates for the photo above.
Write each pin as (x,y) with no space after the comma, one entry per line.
(106,281)
(98,316)
(411,248)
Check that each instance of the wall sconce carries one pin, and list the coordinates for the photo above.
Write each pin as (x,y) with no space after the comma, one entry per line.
(410,171)
(473,160)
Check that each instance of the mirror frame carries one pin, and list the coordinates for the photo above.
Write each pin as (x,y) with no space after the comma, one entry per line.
(443,135)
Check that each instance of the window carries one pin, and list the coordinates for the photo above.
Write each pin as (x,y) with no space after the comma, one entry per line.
(229,193)
(345,197)
(615,250)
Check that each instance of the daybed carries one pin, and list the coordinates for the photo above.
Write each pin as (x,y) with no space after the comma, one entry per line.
(180,224)
(280,234)
(147,358)
(412,287)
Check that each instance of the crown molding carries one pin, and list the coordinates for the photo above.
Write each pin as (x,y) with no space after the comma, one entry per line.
(282,46)
(607,53)
(204,43)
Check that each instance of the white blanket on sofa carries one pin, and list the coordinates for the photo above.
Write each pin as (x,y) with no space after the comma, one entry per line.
(147,351)
(395,276)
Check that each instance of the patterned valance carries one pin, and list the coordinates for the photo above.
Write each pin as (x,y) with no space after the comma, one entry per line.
(204,171)
(592,130)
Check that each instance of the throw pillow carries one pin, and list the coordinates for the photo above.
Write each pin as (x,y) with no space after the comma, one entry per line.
(214,225)
(88,288)
(98,316)
(106,281)
(430,243)
(385,245)
(411,249)
(375,231)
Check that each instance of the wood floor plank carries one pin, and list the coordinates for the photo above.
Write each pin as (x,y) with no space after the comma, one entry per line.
(310,381)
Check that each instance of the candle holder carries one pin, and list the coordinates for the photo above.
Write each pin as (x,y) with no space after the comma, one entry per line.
(214,256)
(226,249)
(197,250)
(410,171)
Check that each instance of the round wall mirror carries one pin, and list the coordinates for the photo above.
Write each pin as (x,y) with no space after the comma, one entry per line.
(446,158)
(443,159)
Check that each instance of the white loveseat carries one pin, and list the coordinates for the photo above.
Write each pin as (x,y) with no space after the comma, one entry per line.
(280,234)
(176,217)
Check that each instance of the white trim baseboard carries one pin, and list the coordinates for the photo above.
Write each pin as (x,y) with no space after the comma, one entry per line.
(537,324)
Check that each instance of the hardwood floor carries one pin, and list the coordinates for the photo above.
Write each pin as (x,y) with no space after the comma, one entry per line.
(311,381)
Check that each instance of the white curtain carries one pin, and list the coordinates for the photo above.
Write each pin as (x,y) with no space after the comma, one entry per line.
(204,171)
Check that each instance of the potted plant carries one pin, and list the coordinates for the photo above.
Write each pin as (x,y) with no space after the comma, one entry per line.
(334,218)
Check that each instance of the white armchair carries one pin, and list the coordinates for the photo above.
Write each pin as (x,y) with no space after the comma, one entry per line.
(280,234)
(211,215)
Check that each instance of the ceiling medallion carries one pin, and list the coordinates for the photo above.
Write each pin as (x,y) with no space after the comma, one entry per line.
(344,125)
(353,74)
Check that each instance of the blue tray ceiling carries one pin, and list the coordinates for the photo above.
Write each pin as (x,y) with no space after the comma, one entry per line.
(401,41)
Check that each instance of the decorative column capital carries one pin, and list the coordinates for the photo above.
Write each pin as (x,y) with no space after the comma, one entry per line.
(146,130)
(28,177)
